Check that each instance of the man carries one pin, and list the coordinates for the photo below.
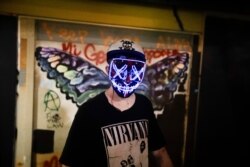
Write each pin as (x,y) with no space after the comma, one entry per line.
(117,127)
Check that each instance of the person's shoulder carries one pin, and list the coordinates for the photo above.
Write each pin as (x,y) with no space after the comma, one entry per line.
(93,101)
(144,102)
(88,107)
(142,97)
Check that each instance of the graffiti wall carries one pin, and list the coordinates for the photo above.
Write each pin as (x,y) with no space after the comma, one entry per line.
(70,69)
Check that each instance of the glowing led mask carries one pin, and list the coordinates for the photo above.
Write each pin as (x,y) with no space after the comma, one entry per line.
(126,75)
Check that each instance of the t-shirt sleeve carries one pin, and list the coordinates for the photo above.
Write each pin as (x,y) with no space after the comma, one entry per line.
(75,139)
(155,137)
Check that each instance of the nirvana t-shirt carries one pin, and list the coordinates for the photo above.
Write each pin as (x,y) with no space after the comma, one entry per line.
(103,136)
(126,142)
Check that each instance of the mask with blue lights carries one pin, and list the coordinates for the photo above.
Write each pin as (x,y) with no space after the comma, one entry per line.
(126,75)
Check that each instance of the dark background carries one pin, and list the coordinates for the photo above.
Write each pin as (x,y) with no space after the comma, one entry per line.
(222,128)
(8,73)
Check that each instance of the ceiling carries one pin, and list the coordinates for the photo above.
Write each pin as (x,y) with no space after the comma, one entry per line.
(238,7)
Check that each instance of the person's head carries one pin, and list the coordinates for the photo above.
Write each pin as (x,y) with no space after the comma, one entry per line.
(127,64)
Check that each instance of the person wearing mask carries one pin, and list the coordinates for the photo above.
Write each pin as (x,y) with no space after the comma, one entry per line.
(117,127)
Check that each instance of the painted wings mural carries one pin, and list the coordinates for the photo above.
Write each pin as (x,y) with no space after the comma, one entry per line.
(80,80)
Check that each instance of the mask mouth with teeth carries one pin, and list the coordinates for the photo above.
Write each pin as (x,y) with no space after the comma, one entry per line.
(126,75)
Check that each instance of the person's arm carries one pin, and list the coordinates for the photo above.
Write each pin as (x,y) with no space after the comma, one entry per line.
(65,165)
(162,157)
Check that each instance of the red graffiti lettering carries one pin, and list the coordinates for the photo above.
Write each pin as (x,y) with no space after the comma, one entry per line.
(99,57)
(153,53)
(92,55)
(67,35)
(48,30)
(72,35)
(53,162)
(70,48)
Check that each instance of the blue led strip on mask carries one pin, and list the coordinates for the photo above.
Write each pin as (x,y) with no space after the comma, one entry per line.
(126,75)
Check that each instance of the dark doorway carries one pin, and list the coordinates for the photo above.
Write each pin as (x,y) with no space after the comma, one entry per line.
(222,123)
(8,73)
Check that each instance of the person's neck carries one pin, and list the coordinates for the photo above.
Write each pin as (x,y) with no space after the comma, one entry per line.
(119,102)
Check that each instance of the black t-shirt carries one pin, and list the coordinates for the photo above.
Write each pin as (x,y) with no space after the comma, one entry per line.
(102,136)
